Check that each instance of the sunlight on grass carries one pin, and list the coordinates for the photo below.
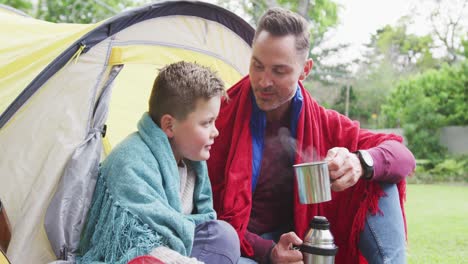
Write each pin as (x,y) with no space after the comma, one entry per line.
(437,218)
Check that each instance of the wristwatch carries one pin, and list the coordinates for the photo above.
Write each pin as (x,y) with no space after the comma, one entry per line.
(367,163)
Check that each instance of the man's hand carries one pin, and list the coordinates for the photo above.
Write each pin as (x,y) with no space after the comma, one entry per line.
(283,252)
(344,167)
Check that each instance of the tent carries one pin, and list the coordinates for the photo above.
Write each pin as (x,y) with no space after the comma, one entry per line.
(66,87)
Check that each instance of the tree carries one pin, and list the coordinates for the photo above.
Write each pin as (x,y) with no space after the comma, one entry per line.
(73,11)
(373,87)
(330,74)
(322,16)
(392,54)
(425,103)
(23,5)
(408,53)
(346,103)
(449,20)
(465,48)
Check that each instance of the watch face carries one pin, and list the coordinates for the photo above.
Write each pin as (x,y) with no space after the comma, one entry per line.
(367,158)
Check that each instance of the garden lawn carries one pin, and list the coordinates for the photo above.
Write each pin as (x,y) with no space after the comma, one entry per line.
(437,217)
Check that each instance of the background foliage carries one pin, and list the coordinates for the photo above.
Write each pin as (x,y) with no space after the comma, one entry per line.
(72,11)
(427,102)
(403,79)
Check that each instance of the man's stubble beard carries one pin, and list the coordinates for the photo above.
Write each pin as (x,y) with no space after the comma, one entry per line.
(272,105)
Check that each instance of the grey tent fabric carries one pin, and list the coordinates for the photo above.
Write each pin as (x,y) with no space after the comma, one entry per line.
(67,210)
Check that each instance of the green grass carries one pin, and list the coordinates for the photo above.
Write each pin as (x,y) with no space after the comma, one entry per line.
(437,217)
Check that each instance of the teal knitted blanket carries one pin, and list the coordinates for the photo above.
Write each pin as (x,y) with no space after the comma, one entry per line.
(136,204)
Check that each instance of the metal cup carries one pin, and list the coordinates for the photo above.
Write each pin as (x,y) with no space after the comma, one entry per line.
(313,182)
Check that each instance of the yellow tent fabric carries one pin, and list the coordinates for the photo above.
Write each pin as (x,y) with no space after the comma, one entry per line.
(57,121)
(27,46)
(145,61)
(3,258)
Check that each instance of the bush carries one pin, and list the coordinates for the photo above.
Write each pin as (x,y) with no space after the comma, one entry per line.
(426,103)
(450,169)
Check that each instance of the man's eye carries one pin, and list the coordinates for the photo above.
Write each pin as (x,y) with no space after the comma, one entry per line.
(257,65)
(279,71)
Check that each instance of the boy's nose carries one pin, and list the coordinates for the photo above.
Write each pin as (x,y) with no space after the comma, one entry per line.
(215,132)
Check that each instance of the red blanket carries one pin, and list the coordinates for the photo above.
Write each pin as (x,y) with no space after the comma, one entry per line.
(318,130)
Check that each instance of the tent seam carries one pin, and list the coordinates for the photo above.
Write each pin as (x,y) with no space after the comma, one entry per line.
(171,45)
(97,84)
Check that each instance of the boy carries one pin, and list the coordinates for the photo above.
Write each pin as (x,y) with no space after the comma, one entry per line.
(153,194)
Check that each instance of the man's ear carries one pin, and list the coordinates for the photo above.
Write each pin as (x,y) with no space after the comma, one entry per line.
(167,125)
(307,68)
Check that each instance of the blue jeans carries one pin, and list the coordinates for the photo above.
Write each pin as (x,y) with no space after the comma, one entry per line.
(244,260)
(216,242)
(383,237)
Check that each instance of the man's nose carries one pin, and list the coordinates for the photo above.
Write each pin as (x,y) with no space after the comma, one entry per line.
(265,80)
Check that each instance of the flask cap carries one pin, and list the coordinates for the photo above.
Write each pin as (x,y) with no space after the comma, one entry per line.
(319,222)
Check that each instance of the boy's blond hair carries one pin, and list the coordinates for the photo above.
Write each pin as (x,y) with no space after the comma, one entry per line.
(177,88)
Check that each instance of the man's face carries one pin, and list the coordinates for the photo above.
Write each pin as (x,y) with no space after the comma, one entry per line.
(275,69)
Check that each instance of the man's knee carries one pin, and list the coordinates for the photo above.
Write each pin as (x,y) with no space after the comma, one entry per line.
(383,237)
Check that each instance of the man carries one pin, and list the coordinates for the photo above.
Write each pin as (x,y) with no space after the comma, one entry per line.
(270,123)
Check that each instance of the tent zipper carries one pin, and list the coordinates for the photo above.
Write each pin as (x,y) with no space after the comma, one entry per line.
(77,53)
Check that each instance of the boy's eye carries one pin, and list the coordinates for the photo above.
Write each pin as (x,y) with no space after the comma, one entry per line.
(207,123)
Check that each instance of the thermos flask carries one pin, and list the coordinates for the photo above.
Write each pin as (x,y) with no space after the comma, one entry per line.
(318,246)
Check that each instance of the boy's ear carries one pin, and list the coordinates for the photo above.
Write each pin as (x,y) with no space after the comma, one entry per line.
(167,125)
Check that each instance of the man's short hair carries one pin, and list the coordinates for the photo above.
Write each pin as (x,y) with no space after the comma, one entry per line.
(177,88)
(282,22)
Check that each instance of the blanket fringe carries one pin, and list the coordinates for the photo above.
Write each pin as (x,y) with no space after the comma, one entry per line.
(402,192)
(367,205)
(118,242)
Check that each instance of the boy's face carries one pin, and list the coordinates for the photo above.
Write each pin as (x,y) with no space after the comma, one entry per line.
(192,138)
